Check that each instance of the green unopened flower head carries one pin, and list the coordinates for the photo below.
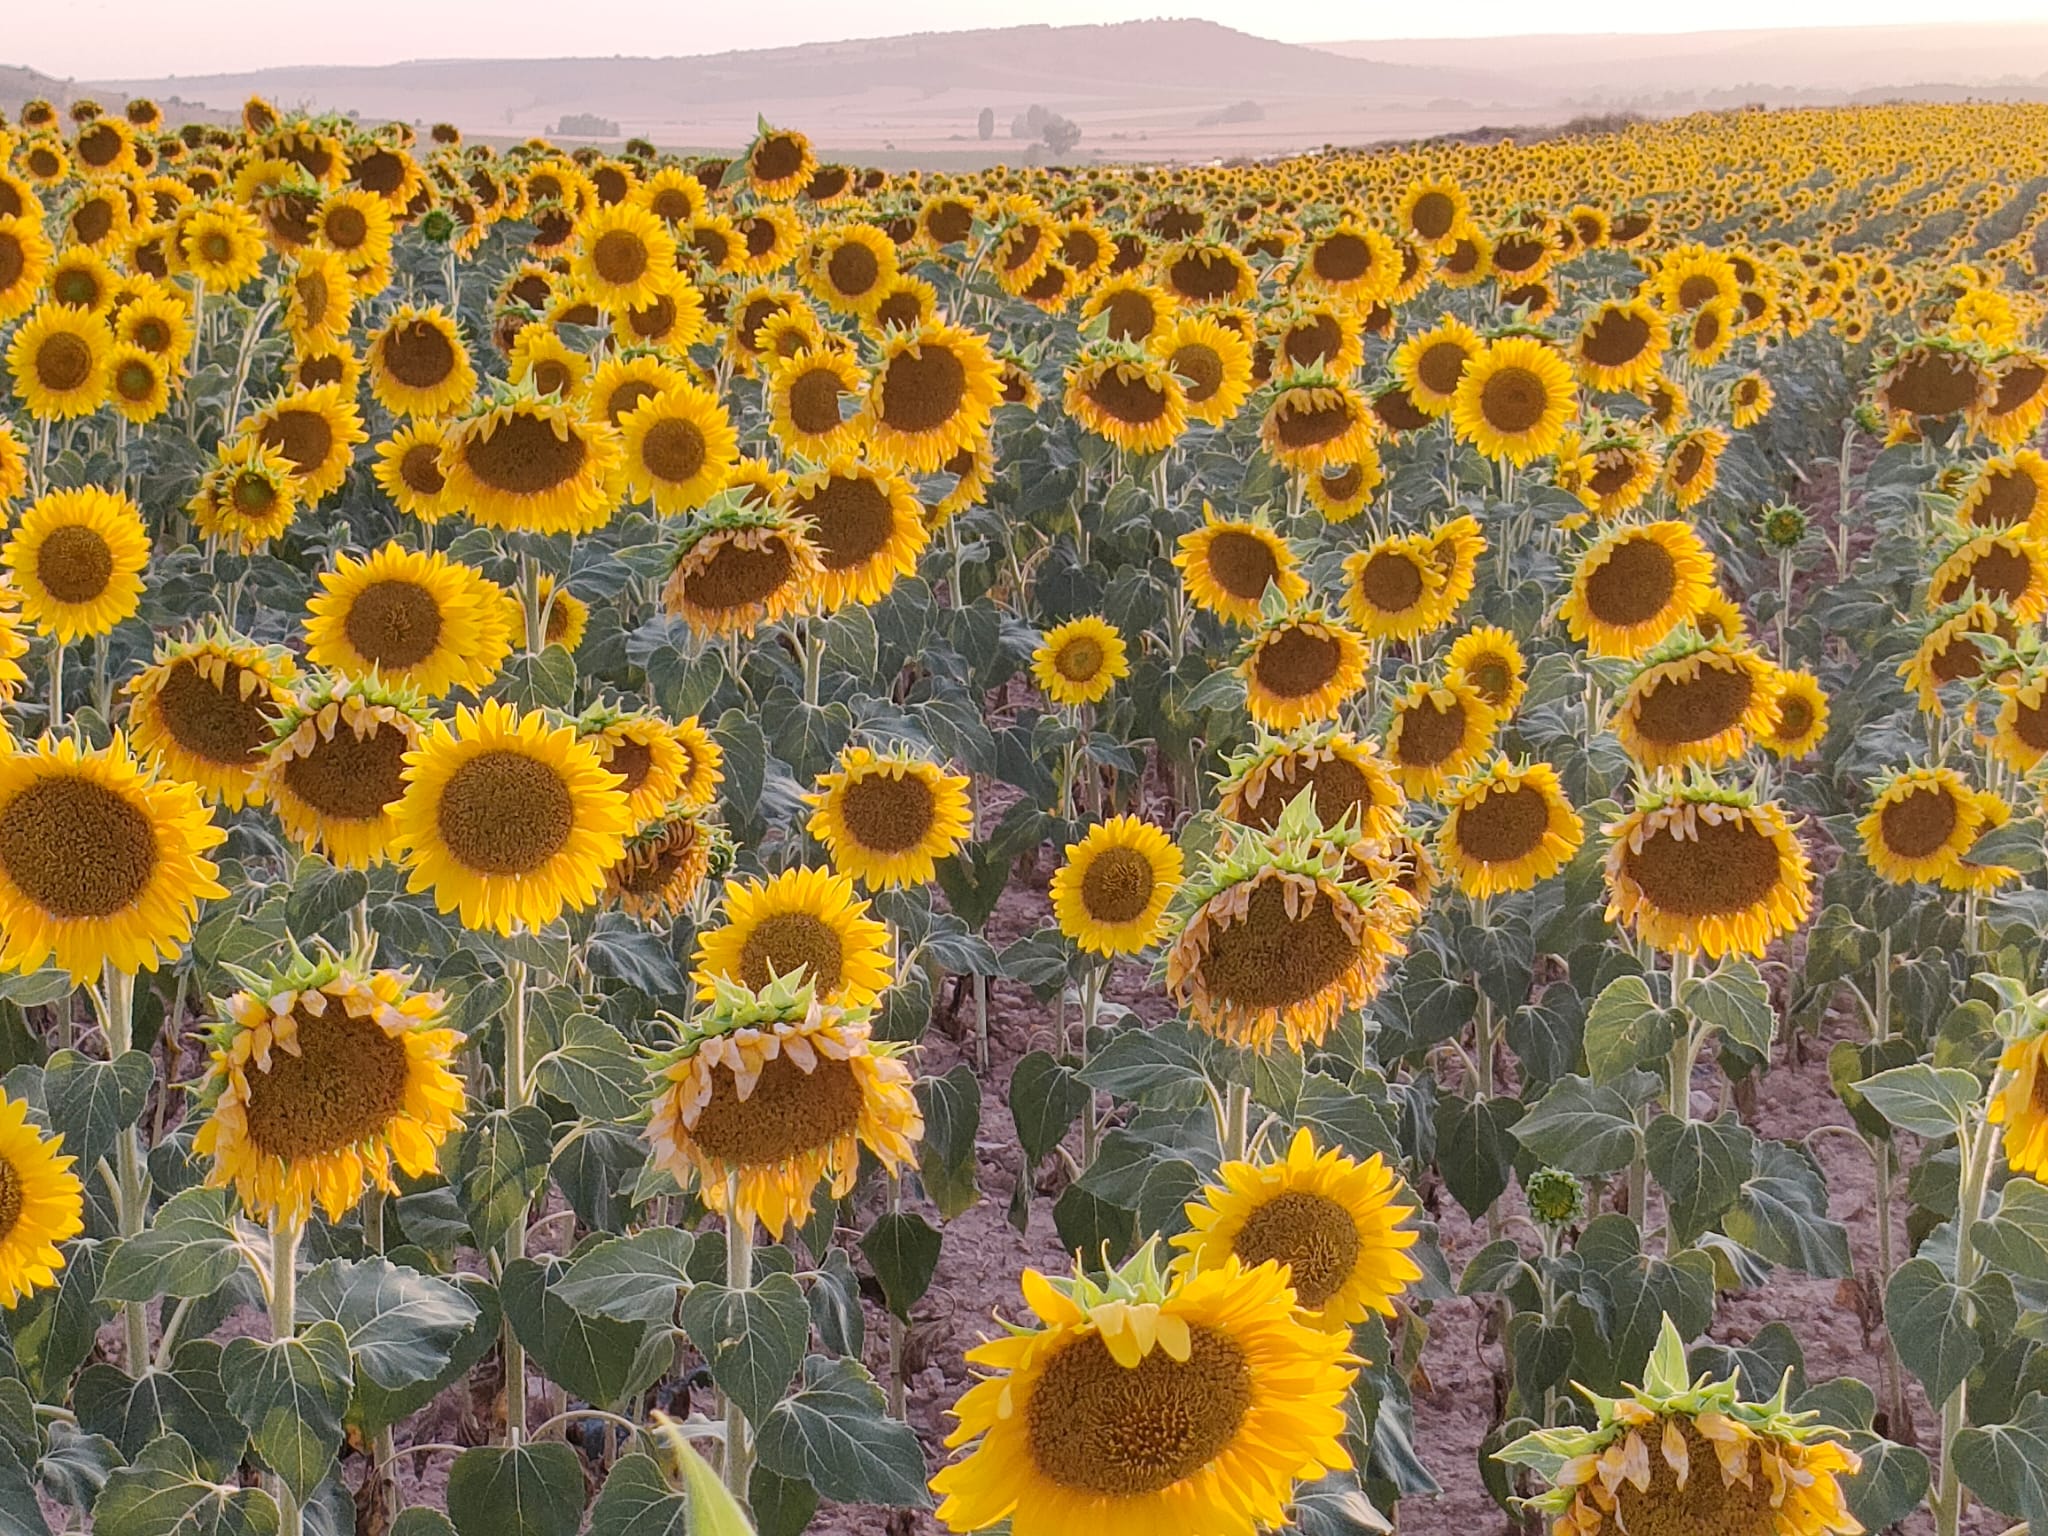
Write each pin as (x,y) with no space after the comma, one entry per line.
(1556,1198)
(1783,526)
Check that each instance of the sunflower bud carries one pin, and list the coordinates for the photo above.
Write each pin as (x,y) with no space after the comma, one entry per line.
(1783,526)
(1556,1198)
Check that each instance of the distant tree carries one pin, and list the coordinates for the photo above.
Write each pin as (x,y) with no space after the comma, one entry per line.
(1061,134)
(586,125)
(987,125)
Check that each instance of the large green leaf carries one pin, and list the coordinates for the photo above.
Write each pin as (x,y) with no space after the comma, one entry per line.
(164,1493)
(593,1070)
(596,1358)
(1632,1293)
(189,1250)
(834,1435)
(631,1279)
(291,1394)
(189,1399)
(636,1500)
(1931,1102)
(1626,1028)
(1927,1315)
(1734,1001)
(1475,1148)
(752,1340)
(2015,1238)
(952,1119)
(1581,1126)
(55,1329)
(2006,1465)
(1781,1213)
(527,1490)
(1046,1097)
(497,1165)
(1700,1166)
(401,1325)
(903,1249)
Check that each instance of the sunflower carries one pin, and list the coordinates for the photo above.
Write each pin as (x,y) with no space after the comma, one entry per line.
(679,447)
(779,163)
(508,819)
(932,392)
(1394,589)
(802,920)
(1111,893)
(1326,336)
(887,819)
(319,295)
(1708,331)
(1749,400)
(1349,783)
(102,863)
(534,465)
(808,398)
(1127,397)
(1432,211)
(1621,346)
(77,558)
(335,770)
(419,366)
(703,767)
(673,320)
(2002,566)
(1950,651)
(1635,585)
(1342,491)
(566,616)
(1332,1223)
(867,525)
(1300,667)
(1515,400)
(1080,661)
(543,363)
(43,1204)
(1213,362)
(664,867)
(317,429)
(1800,717)
(411,617)
(1489,661)
(221,244)
(1143,1404)
(672,195)
(157,320)
(1704,870)
(58,361)
(1692,464)
(2021,1106)
(356,225)
(1680,1453)
(1130,309)
(204,710)
(1227,564)
(138,384)
(2008,492)
(1352,262)
(25,255)
(2019,735)
(1431,363)
(1316,421)
(2019,399)
(642,749)
(973,470)
(13,465)
(742,567)
(1612,468)
(1934,379)
(408,468)
(320,1077)
(1274,937)
(771,1095)
(624,256)
(1508,829)
(1438,733)
(1206,272)
(848,266)
(1922,822)
(1696,703)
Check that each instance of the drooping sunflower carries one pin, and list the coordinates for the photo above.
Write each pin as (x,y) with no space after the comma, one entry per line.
(1111,894)
(664,867)
(1228,563)
(742,567)
(322,1075)
(1616,466)
(534,465)
(204,711)
(412,617)
(680,448)
(1950,651)
(44,1204)
(703,769)
(542,361)
(1298,668)
(802,920)
(1922,822)
(1349,784)
(1933,379)
(624,256)
(1635,585)
(642,749)
(808,398)
(1800,718)
(1488,659)
(772,1095)
(1127,396)
(1621,346)
(1438,733)
(335,770)
(1326,336)
(58,362)
(1213,362)
(1078,662)
(1692,464)
(1514,400)
(76,558)
(1706,870)
(1508,829)
(1315,421)
(867,525)
(2008,492)
(1682,1454)
(1273,937)
(1696,703)
(508,819)
(101,861)
(2019,399)
(1333,1223)
(886,819)
(1394,589)
(419,365)
(1431,363)
(1457,545)
(2002,566)
(318,429)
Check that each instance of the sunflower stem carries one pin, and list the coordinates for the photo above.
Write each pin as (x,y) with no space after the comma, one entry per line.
(1237,1122)
(1091,1005)
(56,685)
(1977,1145)
(1679,1082)
(285,1233)
(515,1240)
(134,1192)
(739,1277)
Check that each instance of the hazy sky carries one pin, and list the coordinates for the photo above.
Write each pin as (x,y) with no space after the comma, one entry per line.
(114,39)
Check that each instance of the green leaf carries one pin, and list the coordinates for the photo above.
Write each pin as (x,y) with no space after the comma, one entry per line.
(1360,1117)
(595,1358)
(952,1119)
(1634,1294)
(1625,1029)
(189,1399)
(546,681)
(402,1326)
(636,1500)
(631,1279)
(1891,1484)
(526,1490)
(56,1328)
(422,1521)
(752,1340)
(834,1435)
(92,1102)
(2015,1239)
(291,1395)
(783,1506)
(1581,1126)
(903,1249)
(593,1070)
(834,1299)
(1928,1319)
(165,1494)
(1700,1166)
(497,1165)
(20,1512)
(1932,1102)
(1046,1098)
(1475,1148)
(1734,1001)
(74,1469)
(1781,1213)
(188,1251)
(2006,1465)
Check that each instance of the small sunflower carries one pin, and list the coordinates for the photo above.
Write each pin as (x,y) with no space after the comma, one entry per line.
(419,365)
(25,254)
(204,711)
(1696,703)
(1432,363)
(802,920)
(534,465)
(1489,661)
(703,767)
(411,617)
(1111,893)
(1080,661)
(1635,585)
(2002,566)
(1922,822)
(779,164)
(1703,870)
(1515,400)
(1950,651)
(1300,668)
(742,567)
(1438,733)
(1343,491)
(680,448)
(1349,783)
(321,1077)
(77,560)
(642,749)
(248,498)
(1334,1224)
(1228,563)
(335,770)
(58,362)
(1749,401)
(319,298)
(1352,262)
(664,867)
(1800,719)
(318,430)
(221,244)
(2008,492)
(1508,829)
(42,1204)
(1213,362)
(867,526)
(565,616)
(808,400)
(543,363)
(848,265)
(1692,464)
(1128,397)
(408,469)
(1394,589)
(138,384)
(887,819)
(624,256)
(508,819)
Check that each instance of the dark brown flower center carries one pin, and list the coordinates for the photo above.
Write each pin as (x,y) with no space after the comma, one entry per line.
(63,361)
(1118,885)
(1513,400)
(1507,825)
(505,813)
(887,814)
(394,624)
(1724,868)
(1294,663)
(74,563)
(216,724)
(76,848)
(1311,1234)
(1100,1428)
(1919,823)
(1633,585)
(524,455)
(346,777)
(345,1084)
(790,1112)
(785,943)
(418,354)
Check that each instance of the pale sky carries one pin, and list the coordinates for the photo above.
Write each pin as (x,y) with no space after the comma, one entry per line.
(117,39)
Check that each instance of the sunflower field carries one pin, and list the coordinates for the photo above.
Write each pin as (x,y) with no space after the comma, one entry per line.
(726,847)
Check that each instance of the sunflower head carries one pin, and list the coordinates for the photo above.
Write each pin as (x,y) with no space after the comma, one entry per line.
(1696,701)
(1700,869)
(1507,829)
(1637,584)
(741,563)
(1111,894)
(1351,783)
(42,1204)
(666,865)
(888,818)
(1228,563)
(205,711)
(1299,667)
(77,559)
